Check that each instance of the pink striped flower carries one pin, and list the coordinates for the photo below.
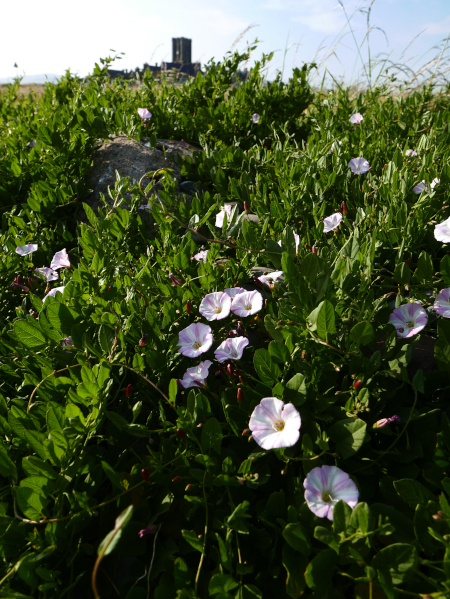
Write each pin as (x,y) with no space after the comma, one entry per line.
(220,217)
(231,349)
(442,303)
(215,306)
(52,292)
(356,118)
(233,291)
(255,118)
(442,231)
(201,256)
(247,303)
(332,222)
(60,260)
(327,485)
(24,250)
(144,113)
(275,424)
(408,319)
(272,278)
(359,166)
(195,339)
(196,376)
(48,274)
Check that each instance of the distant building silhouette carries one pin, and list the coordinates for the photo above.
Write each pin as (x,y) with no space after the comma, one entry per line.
(181,62)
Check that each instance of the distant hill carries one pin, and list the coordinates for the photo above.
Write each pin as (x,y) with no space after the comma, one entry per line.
(28,79)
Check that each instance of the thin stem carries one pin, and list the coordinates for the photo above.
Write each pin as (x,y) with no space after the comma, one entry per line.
(151,562)
(200,563)
(43,381)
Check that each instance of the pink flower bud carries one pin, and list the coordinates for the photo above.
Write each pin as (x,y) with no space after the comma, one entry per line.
(357,385)
(385,421)
(174,279)
(240,395)
(147,531)
(142,340)
(314,250)
(145,473)
(129,391)
(188,306)
(181,433)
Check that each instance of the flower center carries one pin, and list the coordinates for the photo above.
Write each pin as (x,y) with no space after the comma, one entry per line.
(197,345)
(278,425)
(248,307)
(218,310)
(327,497)
(410,324)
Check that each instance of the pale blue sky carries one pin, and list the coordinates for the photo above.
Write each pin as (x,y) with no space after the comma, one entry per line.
(51,35)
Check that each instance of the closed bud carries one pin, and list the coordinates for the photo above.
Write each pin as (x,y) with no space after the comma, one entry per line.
(174,279)
(30,283)
(314,249)
(181,433)
(188,487)
(147,531)
(142,340)
(357,385)
(35,315)
(188,306)
(175,479)
(129,391)
(230,370)
(145,473)
(343,209)
(245,206)
(240,329)
(240,395)
(242,380)
(245,431)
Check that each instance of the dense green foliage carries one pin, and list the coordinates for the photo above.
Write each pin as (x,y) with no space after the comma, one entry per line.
(100,443)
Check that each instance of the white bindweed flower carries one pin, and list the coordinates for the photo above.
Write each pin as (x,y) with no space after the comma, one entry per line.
(275,424)
(219,217)
(201,256)
(412,153)
(442,303)
(359,166)
(442,231)
(196,376)
(60,260)
(272,278)
(334,144)
(420,187)
(255,118)
(247,303)
(195,339)
(144,113)
(327,485)
(435,182)
(48,274)
(231,349)
(233,291)
(332,222)
(215,306)
(356,118)
(24,250)
(52,292)
(408,319)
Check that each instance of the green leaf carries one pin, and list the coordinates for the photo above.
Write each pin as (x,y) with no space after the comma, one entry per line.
(295,390)
(424,271)
(112,538)
(267,370)
(399,560)
(295,566)
(413,492)
(402,274)
(193,540)
(221,583)
(326,320)
(270,325)
(61,317)
(294,534)
(106,337)
(34,466)
(211,436)
(320,570)
(29,335)
(112,475)
(348,434)
(7,466)
(362,333)
(279,352)
(173,389)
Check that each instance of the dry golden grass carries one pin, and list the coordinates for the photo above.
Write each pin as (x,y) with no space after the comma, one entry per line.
(37,88)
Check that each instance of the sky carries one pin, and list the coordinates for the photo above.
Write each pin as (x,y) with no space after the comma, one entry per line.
(51,36)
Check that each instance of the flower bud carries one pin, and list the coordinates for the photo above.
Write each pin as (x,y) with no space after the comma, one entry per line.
(175,479)
(314,250)
(142,340)
(245,431)
(30,283)
(181,433)
(145,473)
(240,395)
(129,391)
(245,206)
(343,208)
(147,531)
(230,370)
(240,329)
(188,306)
(174,279)
(385,421)
(357,385)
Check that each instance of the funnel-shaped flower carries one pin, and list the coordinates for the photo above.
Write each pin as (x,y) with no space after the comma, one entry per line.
(442,231)
(60,260)
(52,292)
(411,153)
(334,145)
(201,256)
(233,291)
(272,278)
(196,376)
(332,222)
(435,182)
(255,118)
(327,485)
(247,303)
(275,424)
(442,303)
(231,349)
(219,217)
(24,250)
(144,113)
(408,319)
(195,339)
(420,187)
(356,118)
(215,306)
(359,165)
(48,274)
